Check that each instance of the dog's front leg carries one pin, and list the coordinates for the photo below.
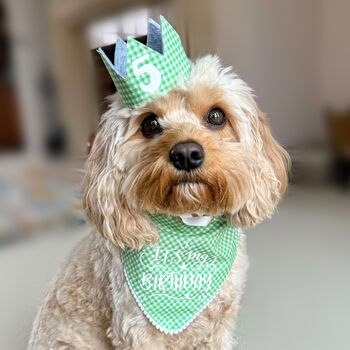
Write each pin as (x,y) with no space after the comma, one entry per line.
(68,336)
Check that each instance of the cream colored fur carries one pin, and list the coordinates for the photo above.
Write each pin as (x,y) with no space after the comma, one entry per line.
(89,305)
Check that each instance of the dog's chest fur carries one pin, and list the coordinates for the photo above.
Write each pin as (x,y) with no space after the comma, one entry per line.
(212,329)
(90,307)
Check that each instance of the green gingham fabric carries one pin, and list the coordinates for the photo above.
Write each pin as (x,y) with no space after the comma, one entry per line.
(172,66)
(174,280)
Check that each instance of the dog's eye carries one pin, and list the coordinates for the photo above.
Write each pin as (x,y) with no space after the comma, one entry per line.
(216,118)
(150,126)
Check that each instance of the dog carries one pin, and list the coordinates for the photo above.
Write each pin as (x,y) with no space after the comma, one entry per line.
(228,165)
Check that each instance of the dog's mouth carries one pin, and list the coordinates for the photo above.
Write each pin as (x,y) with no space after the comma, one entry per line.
(189,188)
(189,195)
(190,179)
(185,183)
(189,183)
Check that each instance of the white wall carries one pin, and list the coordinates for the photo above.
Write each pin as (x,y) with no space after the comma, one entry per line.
(336,53)
(274,46)
(29,53)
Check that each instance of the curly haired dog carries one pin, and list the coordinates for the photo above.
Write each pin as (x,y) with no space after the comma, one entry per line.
(129,175)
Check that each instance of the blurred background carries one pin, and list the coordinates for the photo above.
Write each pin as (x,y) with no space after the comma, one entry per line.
(294,53)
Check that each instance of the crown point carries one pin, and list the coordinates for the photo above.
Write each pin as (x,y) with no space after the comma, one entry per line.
(141,72)
(154,36)
(120,57)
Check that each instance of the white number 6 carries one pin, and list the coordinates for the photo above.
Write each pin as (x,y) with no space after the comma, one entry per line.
(151,70)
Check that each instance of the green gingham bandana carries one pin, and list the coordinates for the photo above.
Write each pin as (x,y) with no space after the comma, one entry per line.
(174,280)
(142,72)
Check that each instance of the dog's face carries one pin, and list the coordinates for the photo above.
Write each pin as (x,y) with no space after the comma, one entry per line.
(203,148)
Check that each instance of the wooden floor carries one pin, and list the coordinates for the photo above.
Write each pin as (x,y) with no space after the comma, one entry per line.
(297,296)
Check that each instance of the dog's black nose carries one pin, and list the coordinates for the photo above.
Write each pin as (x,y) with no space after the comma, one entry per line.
(187,155)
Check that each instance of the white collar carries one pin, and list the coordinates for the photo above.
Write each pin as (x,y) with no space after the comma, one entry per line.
(200,220)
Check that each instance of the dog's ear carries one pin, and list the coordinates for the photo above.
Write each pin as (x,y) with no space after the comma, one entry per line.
(275,153)
(103,201)
(270,171)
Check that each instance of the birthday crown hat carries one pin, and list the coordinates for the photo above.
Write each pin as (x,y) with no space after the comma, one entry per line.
(140,72)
